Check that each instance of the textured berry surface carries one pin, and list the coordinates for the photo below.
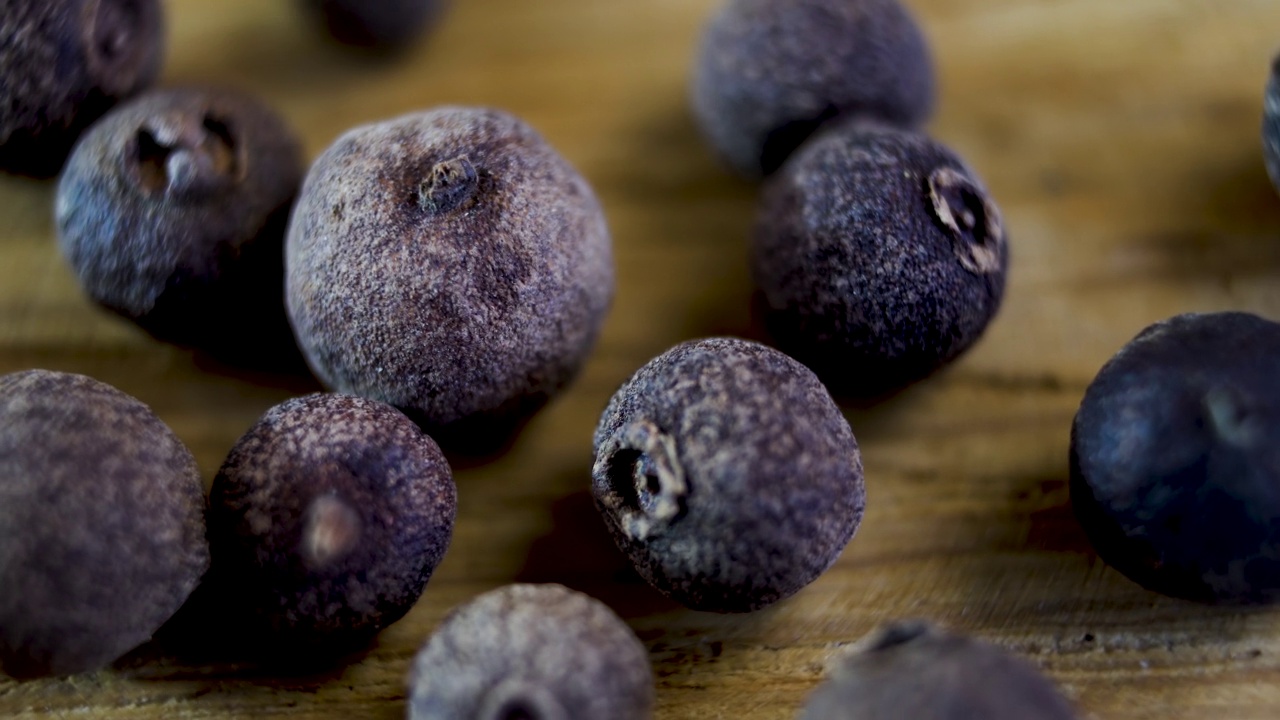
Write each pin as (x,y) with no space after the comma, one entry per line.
(328,518)
(914,670)
(537,652)
(449,263)
(771,72)
(1175,472)
(727,474)
(102,534)
(63,63)
(172,211)
(879,256)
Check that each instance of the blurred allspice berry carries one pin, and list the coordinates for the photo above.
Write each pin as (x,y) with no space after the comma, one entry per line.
(1271,123)
(726,473)
(1175,469)
(102,533)
(769,73)
(63,63)
(532,652)
(172,211)
(376,24)
(879,256)
(914,670)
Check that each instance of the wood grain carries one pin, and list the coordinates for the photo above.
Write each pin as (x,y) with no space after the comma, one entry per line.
(1121,140)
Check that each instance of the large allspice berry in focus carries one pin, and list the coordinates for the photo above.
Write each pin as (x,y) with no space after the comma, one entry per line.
(1175,468)
(63,63)
(328,518)
(532,652)
(1271,124)
(726,473)
(102,534)
(172,211)
(449,263)
(377,24)
(914,670)
(879,257)
(769,73)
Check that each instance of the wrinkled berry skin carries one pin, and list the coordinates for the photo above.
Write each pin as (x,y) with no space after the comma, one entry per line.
(102,533)
(328,518)
(1175,471)
(63,63)
(1271,124)
(377,24)
(771,72)
(879,257)
(726,473)
(172,210)
(541,652)
(913,670)
(449,263)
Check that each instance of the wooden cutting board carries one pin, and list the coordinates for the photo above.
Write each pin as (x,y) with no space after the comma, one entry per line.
(1121,140)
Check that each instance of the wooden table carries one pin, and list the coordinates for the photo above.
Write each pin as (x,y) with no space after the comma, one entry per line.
(1120,138)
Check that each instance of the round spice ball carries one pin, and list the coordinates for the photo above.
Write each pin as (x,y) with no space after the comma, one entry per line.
(1271,124)
(102,534)
(879,257)
(449,263)
(726,473)
(384,24)
(1175,470)
(532,652)
(771,72)
(63,63)
(328,517)
(172,212)
(914,670)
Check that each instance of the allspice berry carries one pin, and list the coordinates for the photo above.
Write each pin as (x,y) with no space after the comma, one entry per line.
(915,670)
(172,212)
(376,24)
(771,72)
(449,263)
(1175,470)
(879,256)
(102,534)
(63,63)
(726,473)
(1271,124)
(532,652)
(328,518)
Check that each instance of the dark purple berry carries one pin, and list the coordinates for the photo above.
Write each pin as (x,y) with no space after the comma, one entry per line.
(771,72)
(913,670)
(172,211)
(1175,469)
(532,652)
(1271,124)
(63,63)
(727,475)
(449,263)
(328,517)
(386,24)
(879,256)
(102,534)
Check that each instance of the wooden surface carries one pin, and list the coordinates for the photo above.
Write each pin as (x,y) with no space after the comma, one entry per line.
(1120,138)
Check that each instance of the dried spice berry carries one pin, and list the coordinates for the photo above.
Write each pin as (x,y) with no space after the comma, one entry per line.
(532,652)
(387,24)
(172,211)
(771,72)
(328,518)
(102,532)
(449,263)
(879,256)
(1175,472)
(1271,124)
(727,475)
(63,63)
(914,670)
